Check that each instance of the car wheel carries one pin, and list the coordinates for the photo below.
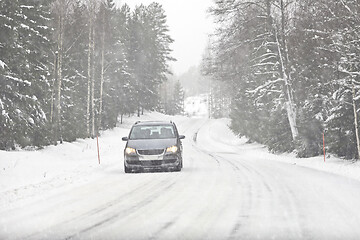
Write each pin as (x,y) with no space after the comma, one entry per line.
(126,169)
(179,167)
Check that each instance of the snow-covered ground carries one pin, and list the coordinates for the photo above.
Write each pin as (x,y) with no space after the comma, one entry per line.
(197,106)
(228,189)
(332,164)
(26,172)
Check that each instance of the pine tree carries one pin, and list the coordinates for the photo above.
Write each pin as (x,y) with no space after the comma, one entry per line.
(24,72)
(150,52)
(341,25)
(176,106)
(118,88)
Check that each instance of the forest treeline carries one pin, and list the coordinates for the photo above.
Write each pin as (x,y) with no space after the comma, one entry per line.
(291,69)
(69,68)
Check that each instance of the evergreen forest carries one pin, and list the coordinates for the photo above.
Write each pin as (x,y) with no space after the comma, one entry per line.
(291,71)
(70,68)
(285,71)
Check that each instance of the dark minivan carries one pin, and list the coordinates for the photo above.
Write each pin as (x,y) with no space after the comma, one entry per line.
(153,146)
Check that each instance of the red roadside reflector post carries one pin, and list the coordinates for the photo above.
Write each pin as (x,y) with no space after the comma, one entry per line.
(97,141)
(324,144)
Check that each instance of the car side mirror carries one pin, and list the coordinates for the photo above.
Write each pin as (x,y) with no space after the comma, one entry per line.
(181,137)
(125,138)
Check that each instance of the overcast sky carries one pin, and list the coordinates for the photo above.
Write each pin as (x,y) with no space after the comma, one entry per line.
(189,25)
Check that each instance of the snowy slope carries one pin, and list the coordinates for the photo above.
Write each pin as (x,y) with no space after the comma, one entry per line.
(24,173)
(221,133)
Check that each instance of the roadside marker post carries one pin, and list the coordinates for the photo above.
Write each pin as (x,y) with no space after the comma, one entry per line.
(324,144)
(97,141)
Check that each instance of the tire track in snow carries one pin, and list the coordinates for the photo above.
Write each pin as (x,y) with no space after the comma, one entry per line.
(102,210)
(121,214)
(217,192)
(190,189)
(269,193)
(169,201)
(243,187)
(112,204)
(136,208)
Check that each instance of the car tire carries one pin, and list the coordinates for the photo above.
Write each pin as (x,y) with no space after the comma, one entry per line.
(179,167)
(126,169)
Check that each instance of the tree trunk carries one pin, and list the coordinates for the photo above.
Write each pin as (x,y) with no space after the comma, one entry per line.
(58,135)
(53,88)
(93,83)
(89,79)
(290,103)
(166,100)
(53,118)
(102,74)
(268,17)
(355,118)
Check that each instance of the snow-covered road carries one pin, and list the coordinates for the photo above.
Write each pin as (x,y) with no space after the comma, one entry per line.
(227,190)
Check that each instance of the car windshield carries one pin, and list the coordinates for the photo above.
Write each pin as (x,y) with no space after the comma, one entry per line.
(152,132)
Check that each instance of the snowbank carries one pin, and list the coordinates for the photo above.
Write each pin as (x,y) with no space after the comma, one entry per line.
(220,132)
(26,172)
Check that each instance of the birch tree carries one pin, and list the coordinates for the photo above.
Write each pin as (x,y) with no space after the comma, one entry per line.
(285,57)
(60,8)
(102,71)
(250,54)
(92,6)
(285,65)
(107,47)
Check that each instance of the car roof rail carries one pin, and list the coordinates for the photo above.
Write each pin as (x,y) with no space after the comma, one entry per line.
(137,122)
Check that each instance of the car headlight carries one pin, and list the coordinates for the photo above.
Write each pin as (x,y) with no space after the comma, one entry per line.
(172,149)
(130,151)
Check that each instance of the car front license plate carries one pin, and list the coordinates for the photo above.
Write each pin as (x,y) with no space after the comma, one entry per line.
(150,157)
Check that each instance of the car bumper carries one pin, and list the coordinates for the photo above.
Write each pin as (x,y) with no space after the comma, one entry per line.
(152,162)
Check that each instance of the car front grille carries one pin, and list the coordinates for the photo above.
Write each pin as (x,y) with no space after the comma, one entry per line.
(153,163)
(151,152)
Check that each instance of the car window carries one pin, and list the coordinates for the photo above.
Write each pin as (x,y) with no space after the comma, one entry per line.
(152,132)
